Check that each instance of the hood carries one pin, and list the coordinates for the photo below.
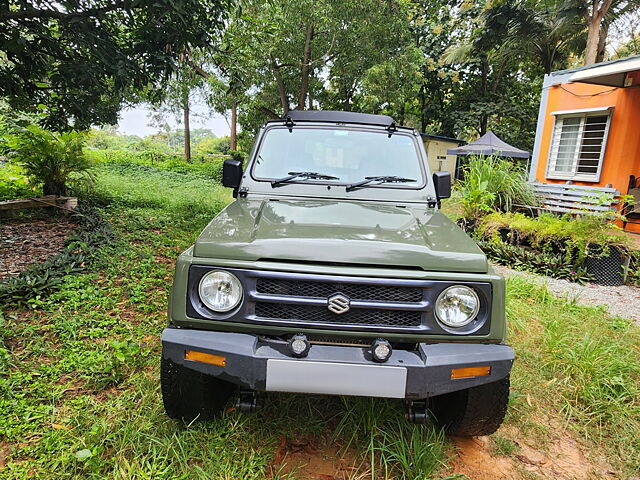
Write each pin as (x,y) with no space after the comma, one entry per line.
(345,232)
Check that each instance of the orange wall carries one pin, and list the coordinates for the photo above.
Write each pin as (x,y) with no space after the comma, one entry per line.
(622,154)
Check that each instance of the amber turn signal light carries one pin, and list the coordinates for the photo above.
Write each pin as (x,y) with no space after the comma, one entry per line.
(202,357)
(469,372)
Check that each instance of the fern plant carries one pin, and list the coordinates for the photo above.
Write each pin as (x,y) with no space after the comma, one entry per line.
(55,160)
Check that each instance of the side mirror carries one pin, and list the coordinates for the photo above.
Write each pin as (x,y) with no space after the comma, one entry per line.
(442,184)
(232,173)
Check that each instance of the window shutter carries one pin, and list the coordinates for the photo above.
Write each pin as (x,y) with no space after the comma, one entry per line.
(591,147)
(577,146)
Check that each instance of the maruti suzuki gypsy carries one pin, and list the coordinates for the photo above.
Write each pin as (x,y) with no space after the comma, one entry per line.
(334,272)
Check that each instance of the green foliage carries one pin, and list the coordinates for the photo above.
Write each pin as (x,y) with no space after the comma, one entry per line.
(15,184)
(54,160)
(576,237)
(492,183)
(548,244)
(209,145)
(542,263)
(83,60)
(204,165)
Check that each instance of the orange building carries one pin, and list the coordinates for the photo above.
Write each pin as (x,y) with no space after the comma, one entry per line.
(588,129)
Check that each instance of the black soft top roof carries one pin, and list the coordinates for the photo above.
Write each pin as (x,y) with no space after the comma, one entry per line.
(296,116)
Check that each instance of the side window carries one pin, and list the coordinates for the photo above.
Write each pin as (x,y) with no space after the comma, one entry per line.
(578,145)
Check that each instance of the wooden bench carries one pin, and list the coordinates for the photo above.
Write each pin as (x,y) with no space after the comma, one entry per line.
(68,204)
(575,199)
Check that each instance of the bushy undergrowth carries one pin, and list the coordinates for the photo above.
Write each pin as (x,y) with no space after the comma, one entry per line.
(542,263)
(205,165)
(548,244)
(492,183)
(15,184)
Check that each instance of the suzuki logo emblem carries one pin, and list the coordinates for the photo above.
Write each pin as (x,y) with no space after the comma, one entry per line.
(338,303)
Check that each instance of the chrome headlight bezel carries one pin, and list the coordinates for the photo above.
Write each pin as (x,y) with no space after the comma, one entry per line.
(235,283)
(470,317)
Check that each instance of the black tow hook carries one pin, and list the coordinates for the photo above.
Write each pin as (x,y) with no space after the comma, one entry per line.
(417,411)
(247,401)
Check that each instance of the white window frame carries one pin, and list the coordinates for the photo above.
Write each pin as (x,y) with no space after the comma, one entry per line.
(554,146)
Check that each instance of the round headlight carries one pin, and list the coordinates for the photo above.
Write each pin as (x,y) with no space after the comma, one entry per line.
(220,291)
(457,306)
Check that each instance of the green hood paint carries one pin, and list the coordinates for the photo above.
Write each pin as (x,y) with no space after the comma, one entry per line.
(343,232)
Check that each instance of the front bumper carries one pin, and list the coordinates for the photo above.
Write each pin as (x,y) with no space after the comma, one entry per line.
(262,364)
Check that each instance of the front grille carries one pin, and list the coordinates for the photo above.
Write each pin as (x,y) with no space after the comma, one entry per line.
(356,316)
(379,293)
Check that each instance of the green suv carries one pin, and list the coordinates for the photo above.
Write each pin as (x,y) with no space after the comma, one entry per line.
(334,272)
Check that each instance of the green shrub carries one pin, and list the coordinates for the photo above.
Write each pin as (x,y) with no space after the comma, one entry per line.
(54,160)
(576,236)
(493,183)
(15,184)
(209,145)
(542,263)
(208,166)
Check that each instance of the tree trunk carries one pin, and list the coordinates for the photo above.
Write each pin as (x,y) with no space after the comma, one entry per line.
(187,129)
(593,37)
(602,42)
(234,122)
(305,69)
(484,119)
(284,100)
(52,187)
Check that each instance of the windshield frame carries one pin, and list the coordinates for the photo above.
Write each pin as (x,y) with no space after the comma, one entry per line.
(339,183)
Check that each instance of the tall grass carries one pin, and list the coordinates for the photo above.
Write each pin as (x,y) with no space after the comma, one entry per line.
(579,362)
(493,183)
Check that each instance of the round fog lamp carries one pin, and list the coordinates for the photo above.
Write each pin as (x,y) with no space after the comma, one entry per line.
(381,350)
(220,291)
(299,345)
(457,306)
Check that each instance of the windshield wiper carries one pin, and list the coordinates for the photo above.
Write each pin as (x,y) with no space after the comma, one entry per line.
(381,179)
(302,175)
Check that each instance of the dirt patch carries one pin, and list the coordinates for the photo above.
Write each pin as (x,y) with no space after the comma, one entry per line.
(23,243)
(314,458)
(5,450)
(563,459)
(475,460)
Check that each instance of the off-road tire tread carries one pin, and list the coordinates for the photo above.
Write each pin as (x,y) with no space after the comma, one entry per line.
(189,395)
(474,411)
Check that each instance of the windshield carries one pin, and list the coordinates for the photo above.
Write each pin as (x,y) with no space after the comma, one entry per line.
(350,155)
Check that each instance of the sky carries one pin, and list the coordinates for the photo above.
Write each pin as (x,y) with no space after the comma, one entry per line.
(134,121)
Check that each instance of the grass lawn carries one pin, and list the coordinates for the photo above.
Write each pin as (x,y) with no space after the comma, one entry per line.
(80,397)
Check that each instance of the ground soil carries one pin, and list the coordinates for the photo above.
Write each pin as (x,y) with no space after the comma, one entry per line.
(475,458)
(316,458)
(562,459)
(23,243)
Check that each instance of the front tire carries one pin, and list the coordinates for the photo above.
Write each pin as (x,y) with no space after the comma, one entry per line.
(189,395)
(473,411)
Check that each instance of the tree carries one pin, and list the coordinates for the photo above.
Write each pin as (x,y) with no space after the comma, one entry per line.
(546,30)
(80,60)
(598,15)
(286,54)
